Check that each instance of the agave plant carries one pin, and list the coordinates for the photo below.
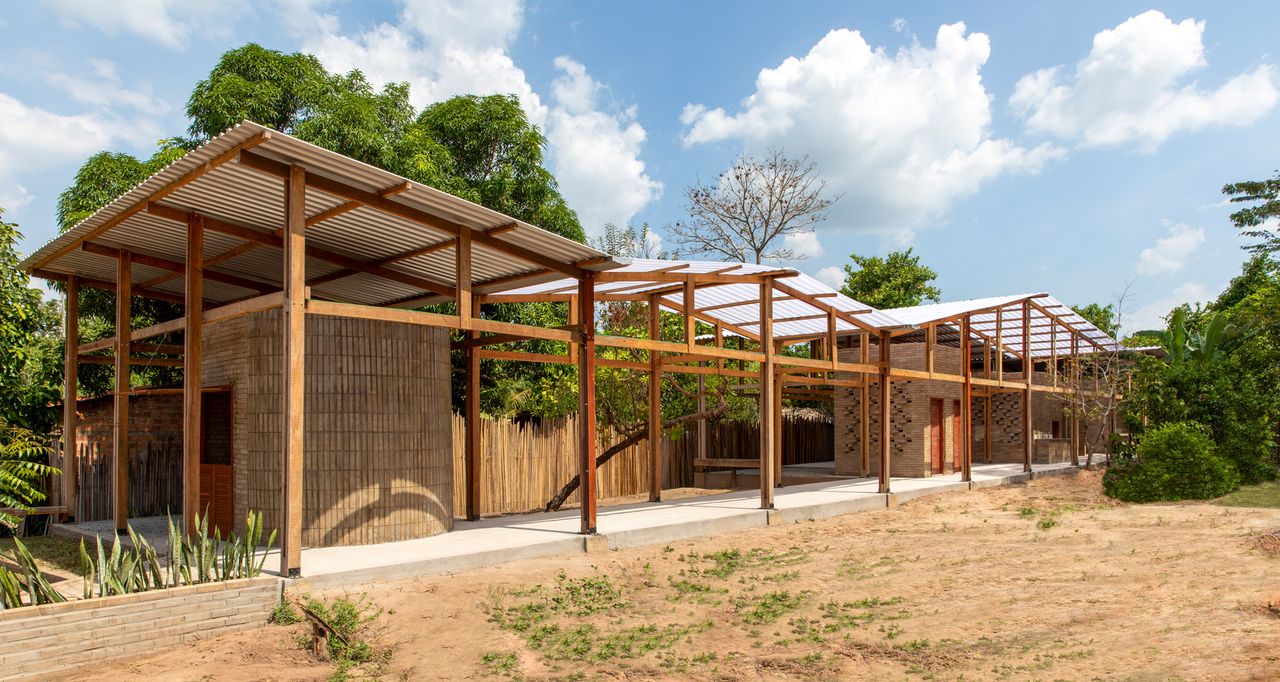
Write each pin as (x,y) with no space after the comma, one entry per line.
(22,467)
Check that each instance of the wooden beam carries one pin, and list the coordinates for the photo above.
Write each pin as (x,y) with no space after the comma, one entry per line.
(109,286)
(120,418)
(767,395)
(655,402)
(293,368)
(353,205)
(812,300)
(690,312)
(886,379)
(70,386)
(587,403)
(179,268)
(192,399)
(165,191)
(462,277)
(133,361)
(276,239)
(386,205)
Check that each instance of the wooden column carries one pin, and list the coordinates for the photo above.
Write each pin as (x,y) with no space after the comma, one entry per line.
(864,406)
(690,323)
(655,399)
(966,403)
(469,309)
(768,399)
(1053,350)
(587,402)
(120,423)
(1028,368)
(999,345)
(1076,446)
(294,370)
(70,381)
(886,358)
(192,403)
(778,398)
(930,341)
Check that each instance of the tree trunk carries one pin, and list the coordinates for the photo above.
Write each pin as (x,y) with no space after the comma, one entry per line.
(641,434)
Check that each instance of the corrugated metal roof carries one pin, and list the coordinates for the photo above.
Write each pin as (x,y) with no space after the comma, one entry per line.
(1051,323)
(243,196)
(733,303)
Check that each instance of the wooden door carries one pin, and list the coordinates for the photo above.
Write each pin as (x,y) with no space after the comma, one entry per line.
(957,438)
(216,489)
(936,438)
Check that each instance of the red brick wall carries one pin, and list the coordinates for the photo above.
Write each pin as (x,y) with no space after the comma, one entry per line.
(155,456)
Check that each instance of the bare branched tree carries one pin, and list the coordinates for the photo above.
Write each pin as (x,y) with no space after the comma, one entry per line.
(751,209)
(1095,381)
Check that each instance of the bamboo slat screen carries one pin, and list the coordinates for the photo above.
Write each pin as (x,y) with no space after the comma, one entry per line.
(524,464)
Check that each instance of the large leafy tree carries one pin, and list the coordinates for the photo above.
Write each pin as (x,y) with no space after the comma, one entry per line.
(1103,317)
(895,281)
(29,347)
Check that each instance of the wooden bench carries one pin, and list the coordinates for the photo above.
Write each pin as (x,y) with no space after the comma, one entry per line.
(705,463)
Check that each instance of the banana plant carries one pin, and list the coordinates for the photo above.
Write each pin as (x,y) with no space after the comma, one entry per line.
(1219,337)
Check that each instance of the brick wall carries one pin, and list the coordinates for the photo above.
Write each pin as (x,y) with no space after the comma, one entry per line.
(38,641)
(155,455)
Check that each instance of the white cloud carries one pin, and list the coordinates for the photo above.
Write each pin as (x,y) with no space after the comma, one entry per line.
(444,49)
(902,135)
(1170,252)
(34,139)
(803,244)
(596,153)
(830,276)
(1133,87)
(172,23)
(104,88)
(1151,315)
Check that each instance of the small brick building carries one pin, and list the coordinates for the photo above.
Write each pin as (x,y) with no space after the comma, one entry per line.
(378,439)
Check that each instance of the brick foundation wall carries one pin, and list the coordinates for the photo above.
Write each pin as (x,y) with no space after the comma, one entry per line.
(38,641)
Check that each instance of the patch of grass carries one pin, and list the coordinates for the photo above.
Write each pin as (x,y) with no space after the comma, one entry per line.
(503,663)
(51,552)
(586,642)
(1046,523)
(356,642)
(768,607)
(569,597)
(729,561)
(285,614)
(1264,495)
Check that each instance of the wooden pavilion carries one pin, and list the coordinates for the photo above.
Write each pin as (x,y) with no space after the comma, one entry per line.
(258,225)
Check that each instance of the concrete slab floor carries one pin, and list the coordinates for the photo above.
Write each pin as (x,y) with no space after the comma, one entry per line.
(498,540)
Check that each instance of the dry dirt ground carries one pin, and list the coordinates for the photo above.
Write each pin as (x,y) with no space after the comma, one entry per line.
(1046,581)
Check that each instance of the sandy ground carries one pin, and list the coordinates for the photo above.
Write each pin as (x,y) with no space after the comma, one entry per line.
(1047,581)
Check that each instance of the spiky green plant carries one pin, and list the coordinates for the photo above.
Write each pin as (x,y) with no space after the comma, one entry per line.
(28,579)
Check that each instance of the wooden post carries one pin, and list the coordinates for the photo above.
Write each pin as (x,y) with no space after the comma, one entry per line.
(1053,349)
(120,425)
(1028,368)
(1000,344)
(655,398)
(587,402)
(192,402)
(469,309)
(690,323)
(1076,446)
(886,358)
(70,381)
(930,340)
(966,403)
(294,370)
(864,406)
(767,396)
(778,398)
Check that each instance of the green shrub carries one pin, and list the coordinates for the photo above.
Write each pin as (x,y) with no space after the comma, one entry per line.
(1176,461)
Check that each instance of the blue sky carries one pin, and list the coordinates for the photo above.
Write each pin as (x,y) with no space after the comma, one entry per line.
(1073,148)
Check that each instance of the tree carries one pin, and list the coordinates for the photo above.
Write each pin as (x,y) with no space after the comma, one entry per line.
(1103,317)
(30,372)
(1257,221)
(748,213)
(629,242)
(895,281)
